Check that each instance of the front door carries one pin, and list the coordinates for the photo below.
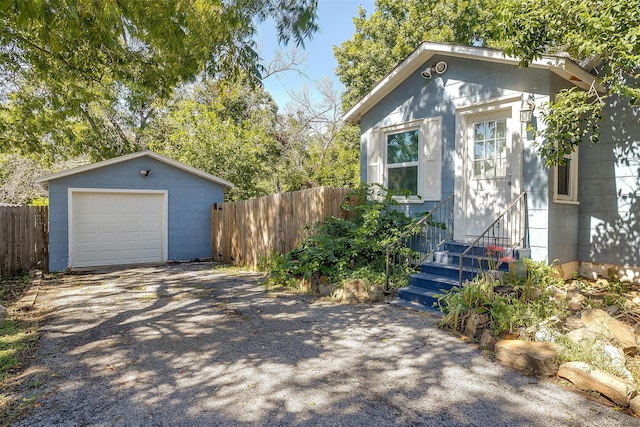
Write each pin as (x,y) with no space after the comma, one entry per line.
(490,170)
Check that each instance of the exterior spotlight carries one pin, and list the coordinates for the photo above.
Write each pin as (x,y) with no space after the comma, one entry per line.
(145,172)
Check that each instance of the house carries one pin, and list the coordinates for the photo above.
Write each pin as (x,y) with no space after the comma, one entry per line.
(447,121)
(137,208)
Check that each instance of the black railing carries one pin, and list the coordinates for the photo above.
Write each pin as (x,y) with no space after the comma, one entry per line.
(419,242)
(503,241)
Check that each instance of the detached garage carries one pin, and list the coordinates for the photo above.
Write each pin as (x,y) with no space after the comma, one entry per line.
(138,208)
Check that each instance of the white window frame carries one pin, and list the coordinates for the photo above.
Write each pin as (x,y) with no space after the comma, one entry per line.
(429,158)
(572,197)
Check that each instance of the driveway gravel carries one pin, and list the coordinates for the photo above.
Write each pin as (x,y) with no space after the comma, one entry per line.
(195,345)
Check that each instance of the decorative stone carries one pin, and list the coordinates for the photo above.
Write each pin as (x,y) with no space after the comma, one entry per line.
(530,356)
(572,291)
(474,322)
(634,404)
(616,356)
(572,323)
(585,377)
(325,290)
(544,334)
(487,340)
(612,310)
(575,303)
(599,321)
(582,334)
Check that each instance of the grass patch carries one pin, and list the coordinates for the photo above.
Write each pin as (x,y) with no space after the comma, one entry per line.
(18,337)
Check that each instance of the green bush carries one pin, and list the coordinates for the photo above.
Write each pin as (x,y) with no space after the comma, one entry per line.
(521,303)
(344,249)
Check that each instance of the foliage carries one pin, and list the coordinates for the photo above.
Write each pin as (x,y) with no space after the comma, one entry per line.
(17,176)
(527,302)
(316,148)
(588,351)
(87,77)
(604,34)
(224,128)
(396,27)
(346,249)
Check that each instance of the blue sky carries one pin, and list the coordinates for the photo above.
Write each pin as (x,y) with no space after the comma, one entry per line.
(335,18)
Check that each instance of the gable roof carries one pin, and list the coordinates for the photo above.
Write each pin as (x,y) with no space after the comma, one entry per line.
(562,66)
(44,180)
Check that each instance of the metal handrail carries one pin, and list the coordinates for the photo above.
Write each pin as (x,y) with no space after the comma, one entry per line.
(412,231)
(522,225)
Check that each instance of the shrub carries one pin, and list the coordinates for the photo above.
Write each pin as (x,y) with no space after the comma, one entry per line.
(521,303)
(345,249)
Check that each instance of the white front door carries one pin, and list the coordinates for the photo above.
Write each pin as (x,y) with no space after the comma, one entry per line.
(489,170)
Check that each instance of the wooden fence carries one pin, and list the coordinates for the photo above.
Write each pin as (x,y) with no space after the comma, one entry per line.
(243,231)
(23,239)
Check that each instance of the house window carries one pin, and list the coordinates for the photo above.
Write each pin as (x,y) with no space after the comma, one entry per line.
(407,156)
(402,161)
(566,180)
(490,149)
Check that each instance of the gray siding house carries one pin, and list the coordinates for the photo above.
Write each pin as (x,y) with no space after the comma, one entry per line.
(447,120)
(138,208)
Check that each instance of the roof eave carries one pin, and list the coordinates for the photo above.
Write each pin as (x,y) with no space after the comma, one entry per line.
(44,180)
(563,67)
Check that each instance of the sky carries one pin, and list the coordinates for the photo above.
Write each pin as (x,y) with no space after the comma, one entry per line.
(335,19)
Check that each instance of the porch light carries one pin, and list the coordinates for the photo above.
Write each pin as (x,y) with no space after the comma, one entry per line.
(526,110)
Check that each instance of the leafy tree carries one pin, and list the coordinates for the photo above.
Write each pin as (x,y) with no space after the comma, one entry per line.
(602,34)
(396,28)
(84,76)
(227,129)
(316,147)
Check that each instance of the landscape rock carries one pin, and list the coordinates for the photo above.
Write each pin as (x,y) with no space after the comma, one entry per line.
(582,334)
(545,334)
(487,340)
(530,356)
(634,404)
(474,323)
(355,292)
(325,290)
(573,291)
(3,313)
(585,377)
(576,302)
(572,323)
(618,361)
(599,321)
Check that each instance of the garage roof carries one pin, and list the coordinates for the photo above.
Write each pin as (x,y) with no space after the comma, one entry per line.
(44,180)
(562,66)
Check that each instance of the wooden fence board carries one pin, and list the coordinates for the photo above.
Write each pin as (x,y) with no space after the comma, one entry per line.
(23,239)
(243,232)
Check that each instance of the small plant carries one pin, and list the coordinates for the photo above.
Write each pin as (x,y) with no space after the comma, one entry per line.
(520,304)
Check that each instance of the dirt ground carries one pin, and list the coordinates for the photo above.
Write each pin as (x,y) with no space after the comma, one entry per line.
(190,344)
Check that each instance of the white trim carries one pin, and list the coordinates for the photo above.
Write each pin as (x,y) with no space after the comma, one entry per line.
(46,178)
(563,67)
(429,129)
(165,215)
(572,197)
(504,107)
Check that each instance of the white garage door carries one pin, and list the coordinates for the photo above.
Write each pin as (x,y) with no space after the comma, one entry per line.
(107,228)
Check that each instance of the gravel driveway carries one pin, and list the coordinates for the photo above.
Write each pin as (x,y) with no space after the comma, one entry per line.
(192,345)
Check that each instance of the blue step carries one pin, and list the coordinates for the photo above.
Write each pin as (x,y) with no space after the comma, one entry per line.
(438,276)
(483,262)
(424,297)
